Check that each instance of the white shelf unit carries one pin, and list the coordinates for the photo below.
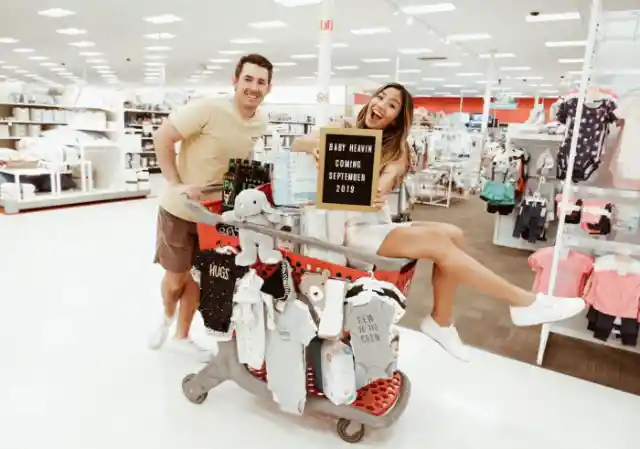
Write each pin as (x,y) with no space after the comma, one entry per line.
(142,123)
(100,168)
(577,327)
(535,145)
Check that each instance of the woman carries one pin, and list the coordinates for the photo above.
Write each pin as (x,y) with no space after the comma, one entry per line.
(391,110)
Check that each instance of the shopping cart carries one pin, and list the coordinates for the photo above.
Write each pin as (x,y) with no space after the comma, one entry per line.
(378,405)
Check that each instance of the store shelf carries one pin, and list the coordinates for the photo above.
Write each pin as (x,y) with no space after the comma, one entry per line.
(605,246)
(611,194)
(55,106)
(576,327)
(44,201)
(145,111)
(28,122)
(533,137)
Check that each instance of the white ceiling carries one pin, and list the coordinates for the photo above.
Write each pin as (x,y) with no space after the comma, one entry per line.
(117,28)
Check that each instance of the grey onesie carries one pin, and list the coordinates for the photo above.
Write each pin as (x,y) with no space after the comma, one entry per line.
(370,325)
(285,356)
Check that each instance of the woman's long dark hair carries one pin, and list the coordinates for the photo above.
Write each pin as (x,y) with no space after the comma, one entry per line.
(394,136)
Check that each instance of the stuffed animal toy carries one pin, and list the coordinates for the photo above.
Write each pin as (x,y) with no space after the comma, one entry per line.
(312,287)
(252,206)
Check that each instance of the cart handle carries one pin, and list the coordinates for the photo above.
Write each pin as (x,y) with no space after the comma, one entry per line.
(205,216)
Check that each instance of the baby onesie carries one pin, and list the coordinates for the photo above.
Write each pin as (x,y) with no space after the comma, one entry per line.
(218,276)
(594,127)
(614,287)
(249,319)
(573,271)
(370,327)
(285,356)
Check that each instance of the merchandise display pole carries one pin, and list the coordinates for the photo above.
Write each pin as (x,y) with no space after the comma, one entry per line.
(324,62)
(397,74)
(486,109)
(567,188)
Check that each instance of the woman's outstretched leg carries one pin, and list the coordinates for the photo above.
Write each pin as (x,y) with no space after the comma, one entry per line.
(439,326)
(417,242)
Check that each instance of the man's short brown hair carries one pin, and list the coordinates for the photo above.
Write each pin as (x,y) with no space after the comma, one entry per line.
(255,59)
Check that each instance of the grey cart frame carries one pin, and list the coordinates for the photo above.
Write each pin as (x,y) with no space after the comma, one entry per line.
(352,422)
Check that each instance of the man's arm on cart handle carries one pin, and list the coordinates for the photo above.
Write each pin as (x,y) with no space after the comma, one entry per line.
(183,123)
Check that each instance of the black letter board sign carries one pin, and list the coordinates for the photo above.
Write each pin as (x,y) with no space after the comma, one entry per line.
(349,169)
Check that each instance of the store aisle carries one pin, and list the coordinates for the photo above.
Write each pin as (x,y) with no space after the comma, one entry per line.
(79,295)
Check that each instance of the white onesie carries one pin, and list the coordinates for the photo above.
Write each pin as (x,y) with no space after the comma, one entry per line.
(286,364)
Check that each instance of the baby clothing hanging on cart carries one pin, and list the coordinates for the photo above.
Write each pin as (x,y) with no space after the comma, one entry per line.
(285,356)
(249,319)
(369,326)
(218,276)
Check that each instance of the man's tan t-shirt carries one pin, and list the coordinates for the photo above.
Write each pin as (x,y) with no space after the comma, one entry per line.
(213,132)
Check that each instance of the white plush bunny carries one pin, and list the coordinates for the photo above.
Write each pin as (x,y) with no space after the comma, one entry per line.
(252,206)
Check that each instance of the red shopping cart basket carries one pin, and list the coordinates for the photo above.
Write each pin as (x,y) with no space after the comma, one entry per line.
(377,398)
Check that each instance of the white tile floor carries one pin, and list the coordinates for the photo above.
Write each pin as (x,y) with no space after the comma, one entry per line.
(79,294)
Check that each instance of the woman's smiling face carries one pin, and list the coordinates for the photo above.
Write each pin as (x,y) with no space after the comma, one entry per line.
(384,108)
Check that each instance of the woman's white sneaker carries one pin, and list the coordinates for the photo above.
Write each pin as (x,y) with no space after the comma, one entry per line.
(546,309)
(447,337)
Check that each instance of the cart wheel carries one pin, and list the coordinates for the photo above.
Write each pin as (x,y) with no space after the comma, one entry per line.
(198,400)
(343,431)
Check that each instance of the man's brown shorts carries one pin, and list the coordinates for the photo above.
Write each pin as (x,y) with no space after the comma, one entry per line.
(176,243)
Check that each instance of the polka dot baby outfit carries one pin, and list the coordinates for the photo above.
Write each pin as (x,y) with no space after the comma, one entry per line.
(593,130)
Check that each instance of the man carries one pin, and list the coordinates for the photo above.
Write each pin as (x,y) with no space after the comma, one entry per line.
(211,132)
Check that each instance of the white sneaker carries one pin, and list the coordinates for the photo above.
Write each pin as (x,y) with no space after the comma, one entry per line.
(159,336)
(447,337)
(546,309)
(190,348)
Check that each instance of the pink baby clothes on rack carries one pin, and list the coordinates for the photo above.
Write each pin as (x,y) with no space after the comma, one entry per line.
(614,287)
(595,214)
(573,271)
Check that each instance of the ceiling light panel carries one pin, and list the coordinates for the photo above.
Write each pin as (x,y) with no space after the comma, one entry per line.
(415,51)
(570,60)
(160,36)
(306,77)
(83,44)
(38,58)
(163,19)
(154,64)
(337,45)
(498,55)
(370,31)
(96,61)
(532,78)
(347,67)
(470,74)
(468,37)
(56,12)
(90,53)
(452,86)
(71,31)
(295,3)
(433,79)
(426,88)
(375,60)
(220,60)
(213,67)
(428,9)
(304,56)
(23,50)
(8,40)
(556,17)
(268,25)
(379,76)
(561,44)
(409,71)
(246,40)
(158,48)
(447,64)
(284,64)
(515,69)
